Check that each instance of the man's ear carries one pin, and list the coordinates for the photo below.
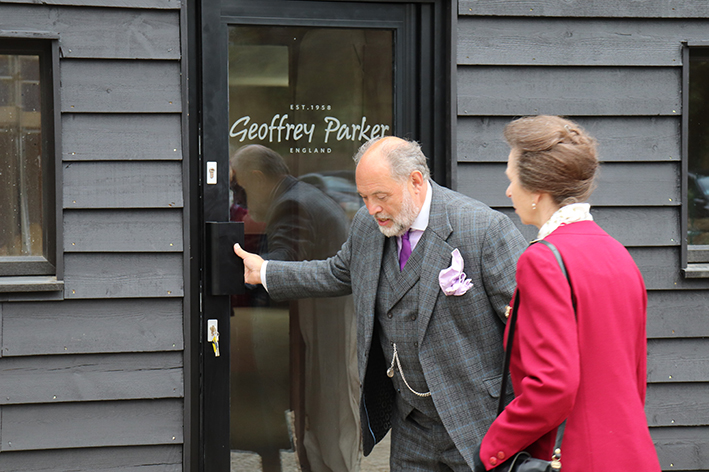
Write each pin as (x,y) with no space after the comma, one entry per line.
(417,180)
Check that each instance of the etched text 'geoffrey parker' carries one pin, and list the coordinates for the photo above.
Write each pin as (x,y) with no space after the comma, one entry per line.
(279,130)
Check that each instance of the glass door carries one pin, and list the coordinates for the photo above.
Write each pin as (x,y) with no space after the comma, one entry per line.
(290,92)
(301,101)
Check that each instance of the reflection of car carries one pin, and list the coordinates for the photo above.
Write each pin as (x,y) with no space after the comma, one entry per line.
(340,186)
(698,195)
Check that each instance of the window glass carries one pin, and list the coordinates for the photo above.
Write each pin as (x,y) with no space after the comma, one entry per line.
(698,148)
(308,97)
(21,212)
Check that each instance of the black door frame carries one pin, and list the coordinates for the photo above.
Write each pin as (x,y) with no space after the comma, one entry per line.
(426,114)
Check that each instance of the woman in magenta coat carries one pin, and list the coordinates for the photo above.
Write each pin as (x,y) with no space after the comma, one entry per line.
(587,367)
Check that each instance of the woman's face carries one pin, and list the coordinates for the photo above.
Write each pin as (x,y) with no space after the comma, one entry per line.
(522,199)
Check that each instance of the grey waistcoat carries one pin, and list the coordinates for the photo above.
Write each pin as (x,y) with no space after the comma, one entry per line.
(397,314)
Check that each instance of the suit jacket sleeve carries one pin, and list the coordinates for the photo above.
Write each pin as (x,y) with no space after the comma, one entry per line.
(545,364)
(502,246)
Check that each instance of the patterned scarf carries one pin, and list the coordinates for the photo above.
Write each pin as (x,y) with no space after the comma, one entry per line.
(565,215)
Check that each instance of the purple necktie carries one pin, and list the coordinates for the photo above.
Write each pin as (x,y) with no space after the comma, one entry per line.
(405,250)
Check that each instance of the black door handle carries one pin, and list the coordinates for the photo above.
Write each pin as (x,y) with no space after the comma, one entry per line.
(226,269)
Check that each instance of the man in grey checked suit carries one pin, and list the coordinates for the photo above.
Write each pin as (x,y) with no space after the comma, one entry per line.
(429,363)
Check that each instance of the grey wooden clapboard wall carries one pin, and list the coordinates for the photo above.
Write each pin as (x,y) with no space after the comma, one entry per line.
(615,67)
(96,381)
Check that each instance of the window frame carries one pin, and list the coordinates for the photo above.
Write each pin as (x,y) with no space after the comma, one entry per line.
(22,274)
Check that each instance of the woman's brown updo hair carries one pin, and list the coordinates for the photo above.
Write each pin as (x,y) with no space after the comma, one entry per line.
(554,156)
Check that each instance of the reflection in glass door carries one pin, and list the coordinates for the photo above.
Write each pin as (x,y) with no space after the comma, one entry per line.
(301,101)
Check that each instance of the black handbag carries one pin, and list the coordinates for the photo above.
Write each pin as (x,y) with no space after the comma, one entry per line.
(522,461)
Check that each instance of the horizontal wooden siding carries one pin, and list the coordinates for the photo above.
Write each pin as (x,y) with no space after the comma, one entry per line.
(95,382)
(615,69)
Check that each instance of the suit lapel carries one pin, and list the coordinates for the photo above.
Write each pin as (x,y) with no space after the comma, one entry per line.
(436,257)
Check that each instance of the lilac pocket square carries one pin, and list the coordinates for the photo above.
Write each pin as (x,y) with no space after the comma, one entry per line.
(452,279)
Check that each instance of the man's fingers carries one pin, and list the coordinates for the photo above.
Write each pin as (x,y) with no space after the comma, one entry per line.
(252,265)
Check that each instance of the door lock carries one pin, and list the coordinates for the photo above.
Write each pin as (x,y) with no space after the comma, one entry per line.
(213,335)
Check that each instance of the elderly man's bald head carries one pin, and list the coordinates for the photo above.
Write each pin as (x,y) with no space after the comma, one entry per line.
(260,158)
(402,156)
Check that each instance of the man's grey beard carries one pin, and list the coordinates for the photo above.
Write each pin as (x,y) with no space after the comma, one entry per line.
(403,221)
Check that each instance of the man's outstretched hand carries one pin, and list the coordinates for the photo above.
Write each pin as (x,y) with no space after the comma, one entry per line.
(252,265)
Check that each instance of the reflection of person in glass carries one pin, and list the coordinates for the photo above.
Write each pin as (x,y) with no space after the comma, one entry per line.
(303,223)
(429,334)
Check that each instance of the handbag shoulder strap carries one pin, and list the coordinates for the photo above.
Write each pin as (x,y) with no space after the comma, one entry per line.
(562,266)
(510,336)
(508,353)
(557,255)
